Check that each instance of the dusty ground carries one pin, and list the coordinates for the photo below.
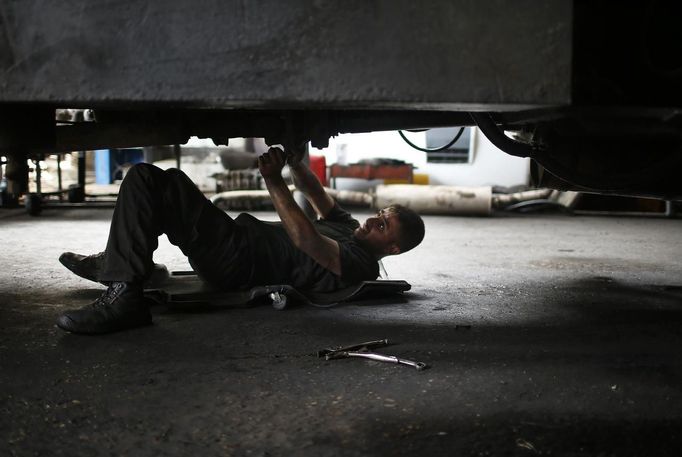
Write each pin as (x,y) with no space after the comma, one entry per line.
(546,335)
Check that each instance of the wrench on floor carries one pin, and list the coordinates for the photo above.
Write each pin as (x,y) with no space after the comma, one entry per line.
(375,356)
(354,347)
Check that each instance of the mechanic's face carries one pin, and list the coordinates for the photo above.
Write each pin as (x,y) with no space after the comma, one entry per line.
(380,233)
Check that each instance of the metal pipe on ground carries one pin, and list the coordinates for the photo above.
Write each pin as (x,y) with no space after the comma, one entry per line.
(351,197)
(254,199)
(454,200)
(243,199)
(503,200)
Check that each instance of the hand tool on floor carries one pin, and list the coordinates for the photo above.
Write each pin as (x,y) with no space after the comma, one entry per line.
(376,356)
(362,350)
(366,346)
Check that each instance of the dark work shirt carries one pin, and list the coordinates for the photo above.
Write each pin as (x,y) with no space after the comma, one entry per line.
(276,260)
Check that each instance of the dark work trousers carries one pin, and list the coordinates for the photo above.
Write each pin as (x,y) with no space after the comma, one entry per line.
(151,202)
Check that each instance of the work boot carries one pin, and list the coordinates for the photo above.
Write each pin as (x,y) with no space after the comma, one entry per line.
(85,266)
(121,306)
(90,266)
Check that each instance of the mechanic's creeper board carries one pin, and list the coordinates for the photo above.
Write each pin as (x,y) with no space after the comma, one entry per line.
(186,288)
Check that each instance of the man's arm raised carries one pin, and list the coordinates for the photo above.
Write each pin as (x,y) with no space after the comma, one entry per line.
(302,232)
(306,181)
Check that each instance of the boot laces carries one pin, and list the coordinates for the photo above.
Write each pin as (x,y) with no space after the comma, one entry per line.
(110,295)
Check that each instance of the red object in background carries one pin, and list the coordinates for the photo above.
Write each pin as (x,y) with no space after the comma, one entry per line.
(367,171)
(318,165)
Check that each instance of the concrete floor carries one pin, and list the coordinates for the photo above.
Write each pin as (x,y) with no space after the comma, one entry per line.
(546,335)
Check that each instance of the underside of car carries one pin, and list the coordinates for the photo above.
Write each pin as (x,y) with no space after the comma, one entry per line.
(590,91)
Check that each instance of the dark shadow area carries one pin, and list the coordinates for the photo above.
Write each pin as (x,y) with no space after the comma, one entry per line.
(620,321)
(604,300)
(515,434)
(603,378)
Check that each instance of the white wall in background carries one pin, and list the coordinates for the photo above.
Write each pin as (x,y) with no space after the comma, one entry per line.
(489,166)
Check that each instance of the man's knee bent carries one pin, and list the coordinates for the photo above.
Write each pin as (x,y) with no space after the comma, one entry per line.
(150,176)
(142,173)
(176,173)
(147,171)
(142,170)
(179,177)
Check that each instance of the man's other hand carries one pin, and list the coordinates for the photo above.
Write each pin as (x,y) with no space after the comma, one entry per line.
(295,155)
(271,163)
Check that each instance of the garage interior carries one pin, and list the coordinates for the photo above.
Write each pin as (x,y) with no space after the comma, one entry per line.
(545,300)
(545,334)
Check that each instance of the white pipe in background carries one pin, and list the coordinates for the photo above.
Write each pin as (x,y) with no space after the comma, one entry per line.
(465,201)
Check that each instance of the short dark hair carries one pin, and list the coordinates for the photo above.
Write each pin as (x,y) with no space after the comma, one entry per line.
(411,227)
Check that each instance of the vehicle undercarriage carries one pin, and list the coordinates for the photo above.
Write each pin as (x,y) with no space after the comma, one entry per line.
(593,94)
